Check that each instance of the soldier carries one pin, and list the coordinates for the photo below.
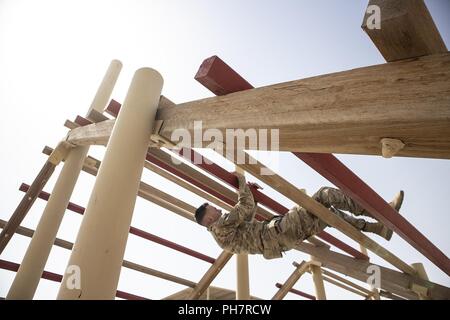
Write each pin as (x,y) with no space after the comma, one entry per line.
(238,232)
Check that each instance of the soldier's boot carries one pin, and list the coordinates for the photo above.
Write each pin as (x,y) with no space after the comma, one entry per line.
(378,227)
(396,203)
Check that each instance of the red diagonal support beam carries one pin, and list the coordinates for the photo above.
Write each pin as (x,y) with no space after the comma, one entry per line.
(297,292)
(214,169)
(138,232)
(12,266)
(341,176)
(221,79)
(216,75)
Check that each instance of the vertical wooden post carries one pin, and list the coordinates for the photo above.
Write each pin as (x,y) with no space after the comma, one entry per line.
(242,272)
(421,273)
(100,245)
(29,274)
(317,279)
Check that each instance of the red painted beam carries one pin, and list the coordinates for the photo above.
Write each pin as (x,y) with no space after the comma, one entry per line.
(45,196)
(341,176)
(171,245)
(298,292)
(225,79)
(209,166)
(12,266)
(221,79)
(140,233)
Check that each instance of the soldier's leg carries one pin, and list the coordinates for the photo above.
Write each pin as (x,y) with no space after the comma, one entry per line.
(297,225)
(331,197)
(359,224)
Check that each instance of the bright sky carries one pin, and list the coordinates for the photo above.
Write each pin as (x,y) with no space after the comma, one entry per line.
(53,55)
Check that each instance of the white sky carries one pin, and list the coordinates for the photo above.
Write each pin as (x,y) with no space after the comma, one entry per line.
(53,55)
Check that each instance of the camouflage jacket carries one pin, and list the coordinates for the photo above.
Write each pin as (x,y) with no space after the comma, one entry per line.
(238,232)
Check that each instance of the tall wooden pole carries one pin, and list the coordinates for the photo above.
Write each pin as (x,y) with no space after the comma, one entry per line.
(318,280)
(242,272)
(100,245)
(27,277)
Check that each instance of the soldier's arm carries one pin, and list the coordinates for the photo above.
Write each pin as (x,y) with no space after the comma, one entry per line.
(245,208)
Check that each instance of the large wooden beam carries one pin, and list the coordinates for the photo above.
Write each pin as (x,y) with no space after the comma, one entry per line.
(407,29)
(344,112)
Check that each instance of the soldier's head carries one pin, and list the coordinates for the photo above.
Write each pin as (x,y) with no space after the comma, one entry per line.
(206,214)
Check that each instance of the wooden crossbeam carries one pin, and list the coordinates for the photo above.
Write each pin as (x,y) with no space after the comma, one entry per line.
(391,280)
(300,269)
(343,286)
(344,112)
(407,29)
(347,282)
(127,264)
(347,285)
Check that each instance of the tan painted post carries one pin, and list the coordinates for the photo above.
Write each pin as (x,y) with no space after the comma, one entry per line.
(317,279)
(100,245)
(242,272)
(29,274)
(421,291)
(243,288)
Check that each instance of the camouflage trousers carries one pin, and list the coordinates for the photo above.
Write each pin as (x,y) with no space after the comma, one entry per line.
(298,224)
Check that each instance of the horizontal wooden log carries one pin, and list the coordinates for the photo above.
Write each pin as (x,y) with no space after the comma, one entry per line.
(345,112)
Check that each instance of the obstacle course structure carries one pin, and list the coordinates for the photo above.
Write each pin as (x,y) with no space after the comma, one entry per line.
(351,112)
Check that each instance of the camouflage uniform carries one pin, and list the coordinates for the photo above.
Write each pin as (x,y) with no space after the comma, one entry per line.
(237,233)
